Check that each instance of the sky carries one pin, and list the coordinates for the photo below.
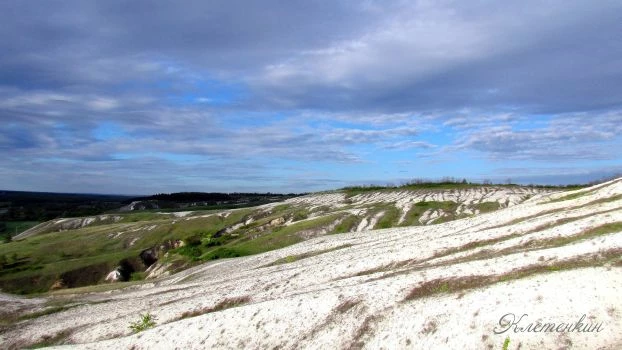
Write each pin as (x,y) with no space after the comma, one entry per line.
(140,97)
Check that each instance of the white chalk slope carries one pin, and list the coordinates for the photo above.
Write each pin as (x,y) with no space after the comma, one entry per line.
(554,258)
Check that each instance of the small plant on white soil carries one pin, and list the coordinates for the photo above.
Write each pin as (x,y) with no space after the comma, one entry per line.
(146,321)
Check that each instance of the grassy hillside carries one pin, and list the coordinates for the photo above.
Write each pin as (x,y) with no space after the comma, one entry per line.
(82,251)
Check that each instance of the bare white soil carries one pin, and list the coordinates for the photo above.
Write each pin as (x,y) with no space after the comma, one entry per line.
(506,196)
(442,286)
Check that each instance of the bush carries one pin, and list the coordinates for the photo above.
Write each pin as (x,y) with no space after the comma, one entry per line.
(300,215)
(191,251)
(221,253)
(146,321)
(193,240)
(137,276)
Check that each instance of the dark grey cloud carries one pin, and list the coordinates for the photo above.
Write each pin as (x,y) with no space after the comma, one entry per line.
(532,56)
(79,43)
(97,85)
(557,56)
(537,57)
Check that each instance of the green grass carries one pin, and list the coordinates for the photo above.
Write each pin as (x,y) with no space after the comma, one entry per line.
(415,212)
(249,241)
(487,207)
(389,218)
(602,200)
(145,322)
(355,190)
(300,214)
(144,216)
(284,237)
(17,227)
(506,343)
(571,196)
(347,224)
(604,229)
(439,185)
(32,265)
(48,341)
(424,185)
(281,208)
(84,256)
(137,276)
(222,253)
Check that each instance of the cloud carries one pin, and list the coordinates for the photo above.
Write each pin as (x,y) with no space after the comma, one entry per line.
(555,175)
(450,55)
(399,57)
(110,88)
(402,145)
(565,138)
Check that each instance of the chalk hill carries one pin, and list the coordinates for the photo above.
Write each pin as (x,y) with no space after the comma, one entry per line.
(553,256)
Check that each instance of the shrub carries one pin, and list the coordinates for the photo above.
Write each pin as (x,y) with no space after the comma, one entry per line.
(137,276)
(193,241)
(221,253)
(191,251)
(300,215)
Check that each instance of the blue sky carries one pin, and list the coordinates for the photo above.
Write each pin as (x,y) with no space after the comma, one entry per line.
(145,97)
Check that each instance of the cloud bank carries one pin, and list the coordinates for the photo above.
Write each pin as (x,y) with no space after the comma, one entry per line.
(110,96)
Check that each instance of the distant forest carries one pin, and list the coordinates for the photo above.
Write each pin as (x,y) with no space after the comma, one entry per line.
(42,206)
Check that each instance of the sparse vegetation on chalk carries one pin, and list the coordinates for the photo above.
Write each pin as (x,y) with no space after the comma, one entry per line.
(145,322)
(353,288)
(447,183)
(82,253)
(221,305)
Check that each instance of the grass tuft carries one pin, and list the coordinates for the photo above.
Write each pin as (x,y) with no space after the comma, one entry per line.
(146,321)
(222,305)
(455,284)
(506,343)
(347,305)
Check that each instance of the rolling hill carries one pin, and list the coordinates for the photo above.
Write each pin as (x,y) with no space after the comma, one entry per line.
(542,258)
(75,252)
